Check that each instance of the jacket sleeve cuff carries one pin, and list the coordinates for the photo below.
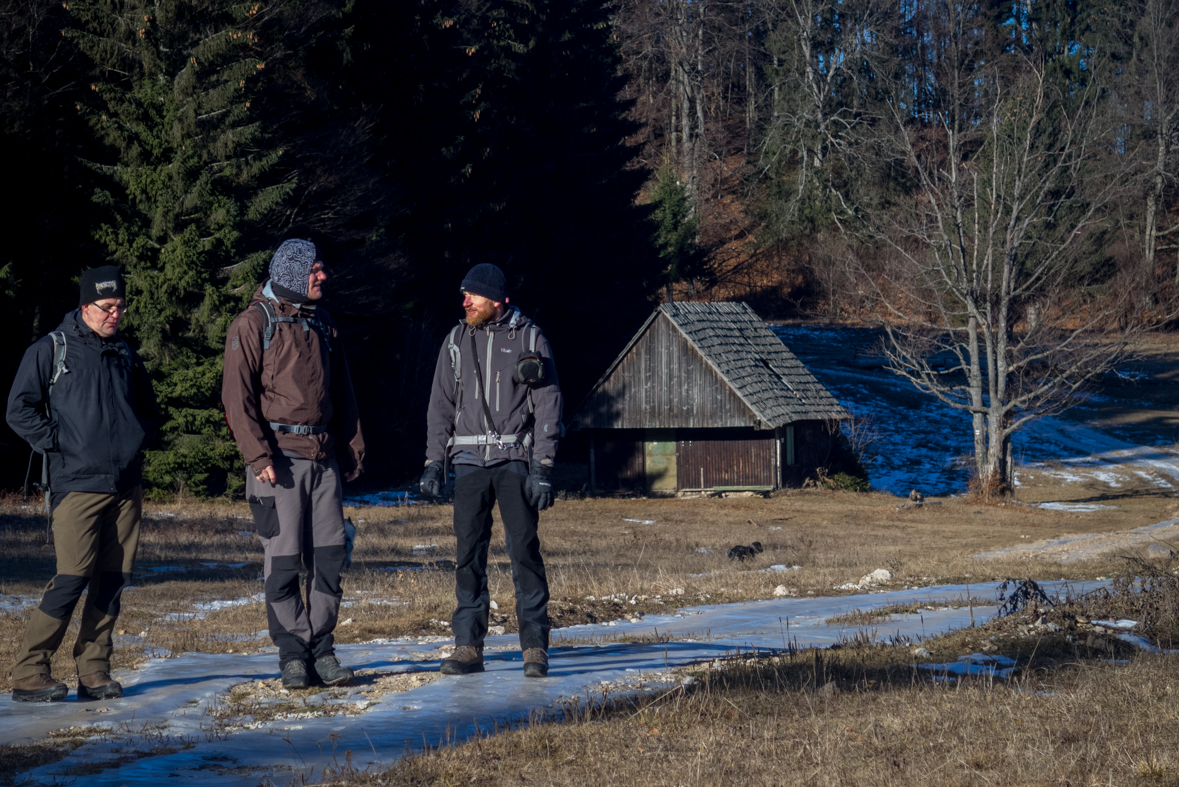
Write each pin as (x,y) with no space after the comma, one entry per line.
(261,464)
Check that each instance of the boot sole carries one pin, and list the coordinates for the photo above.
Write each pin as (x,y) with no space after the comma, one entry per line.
(54,694)
(458,668)
(343,680)
(108,692)
(534,670)
(296,684)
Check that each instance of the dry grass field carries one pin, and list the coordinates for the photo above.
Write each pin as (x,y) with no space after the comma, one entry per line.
(859,714)
(194,559)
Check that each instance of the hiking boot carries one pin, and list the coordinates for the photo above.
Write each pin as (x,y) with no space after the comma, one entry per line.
(464,660)
(99,686)
(41,687)
(330,672)
(294,675)
(536,663)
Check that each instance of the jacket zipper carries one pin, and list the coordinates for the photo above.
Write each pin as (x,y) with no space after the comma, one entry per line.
(497,392)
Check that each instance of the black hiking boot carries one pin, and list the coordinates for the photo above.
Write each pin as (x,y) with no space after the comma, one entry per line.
(465,659)
(99,686)
(294,675)
(330,672)
(41,687)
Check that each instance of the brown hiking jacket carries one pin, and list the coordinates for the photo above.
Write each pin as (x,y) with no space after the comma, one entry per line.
(301,380)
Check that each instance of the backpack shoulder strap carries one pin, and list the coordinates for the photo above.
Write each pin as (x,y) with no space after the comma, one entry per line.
(532,341)
(456,355)
(59,357)
(267,309)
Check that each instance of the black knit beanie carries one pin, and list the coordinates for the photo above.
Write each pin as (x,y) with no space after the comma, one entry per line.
(291,266)
(487,280)
(104,281)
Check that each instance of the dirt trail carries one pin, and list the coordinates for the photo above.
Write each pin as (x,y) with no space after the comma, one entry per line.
(1082,546)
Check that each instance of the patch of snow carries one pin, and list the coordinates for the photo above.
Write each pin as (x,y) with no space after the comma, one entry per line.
(975,664)
(640,521)
(13,604)
(1116,624)
(938,438)
(1076,507)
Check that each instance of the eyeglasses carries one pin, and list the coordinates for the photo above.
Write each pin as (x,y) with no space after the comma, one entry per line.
(121,308)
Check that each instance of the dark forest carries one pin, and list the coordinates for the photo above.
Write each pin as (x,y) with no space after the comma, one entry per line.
(845,160)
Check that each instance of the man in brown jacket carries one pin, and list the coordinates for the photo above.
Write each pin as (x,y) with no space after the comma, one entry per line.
(289,403)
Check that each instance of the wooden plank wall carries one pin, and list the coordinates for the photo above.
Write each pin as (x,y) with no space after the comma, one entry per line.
(664,383)
(725,458)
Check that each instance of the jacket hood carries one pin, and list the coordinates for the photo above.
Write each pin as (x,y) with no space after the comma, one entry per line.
(265,293)
(73,325)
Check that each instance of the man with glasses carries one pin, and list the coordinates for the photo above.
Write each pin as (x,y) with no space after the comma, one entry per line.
(289,403)
(83,398)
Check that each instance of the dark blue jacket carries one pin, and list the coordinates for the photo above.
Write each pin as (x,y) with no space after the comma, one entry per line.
(101,414)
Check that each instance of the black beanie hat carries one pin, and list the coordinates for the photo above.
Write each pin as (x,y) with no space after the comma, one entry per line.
(487,280)
(104,281)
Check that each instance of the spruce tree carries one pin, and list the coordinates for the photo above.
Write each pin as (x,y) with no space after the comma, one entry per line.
(511,144)
(173,87)
(676,230)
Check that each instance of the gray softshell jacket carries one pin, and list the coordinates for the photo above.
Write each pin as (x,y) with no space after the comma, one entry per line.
(498,346)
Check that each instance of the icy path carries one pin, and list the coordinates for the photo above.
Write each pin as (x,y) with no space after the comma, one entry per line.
(170,697)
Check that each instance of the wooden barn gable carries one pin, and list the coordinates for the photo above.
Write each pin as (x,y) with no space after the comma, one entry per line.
(705,365)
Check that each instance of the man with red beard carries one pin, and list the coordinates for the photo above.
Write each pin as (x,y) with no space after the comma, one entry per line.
(495,415)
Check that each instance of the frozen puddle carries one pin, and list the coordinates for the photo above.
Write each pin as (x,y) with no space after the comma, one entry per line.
(166,703)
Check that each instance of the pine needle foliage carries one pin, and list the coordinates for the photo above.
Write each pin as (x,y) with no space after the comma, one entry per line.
(184,180)
(676,228)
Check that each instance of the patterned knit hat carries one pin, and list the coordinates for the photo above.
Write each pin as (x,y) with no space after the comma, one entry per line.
(291,265)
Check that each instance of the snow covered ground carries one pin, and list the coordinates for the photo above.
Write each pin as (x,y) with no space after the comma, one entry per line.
(167,703)
(937,439)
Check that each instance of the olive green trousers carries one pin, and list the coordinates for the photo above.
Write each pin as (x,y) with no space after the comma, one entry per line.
(95,537)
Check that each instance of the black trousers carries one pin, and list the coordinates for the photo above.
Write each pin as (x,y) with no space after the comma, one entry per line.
(476,491)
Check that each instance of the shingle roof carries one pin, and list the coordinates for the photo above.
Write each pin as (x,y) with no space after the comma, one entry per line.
(756,364)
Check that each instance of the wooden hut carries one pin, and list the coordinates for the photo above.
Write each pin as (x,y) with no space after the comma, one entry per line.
(706,397)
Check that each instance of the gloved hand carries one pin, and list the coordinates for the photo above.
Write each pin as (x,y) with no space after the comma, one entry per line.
(349,537)
(432,480)
(537,487)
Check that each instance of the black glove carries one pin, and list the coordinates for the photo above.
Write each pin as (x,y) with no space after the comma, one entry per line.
(537,487)
(349,538)
(431,482)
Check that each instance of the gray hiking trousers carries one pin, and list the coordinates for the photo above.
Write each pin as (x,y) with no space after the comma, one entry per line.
(300,521)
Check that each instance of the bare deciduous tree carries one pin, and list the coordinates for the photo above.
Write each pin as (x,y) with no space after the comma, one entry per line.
(1012,174)
(1156,76)
(820,50)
